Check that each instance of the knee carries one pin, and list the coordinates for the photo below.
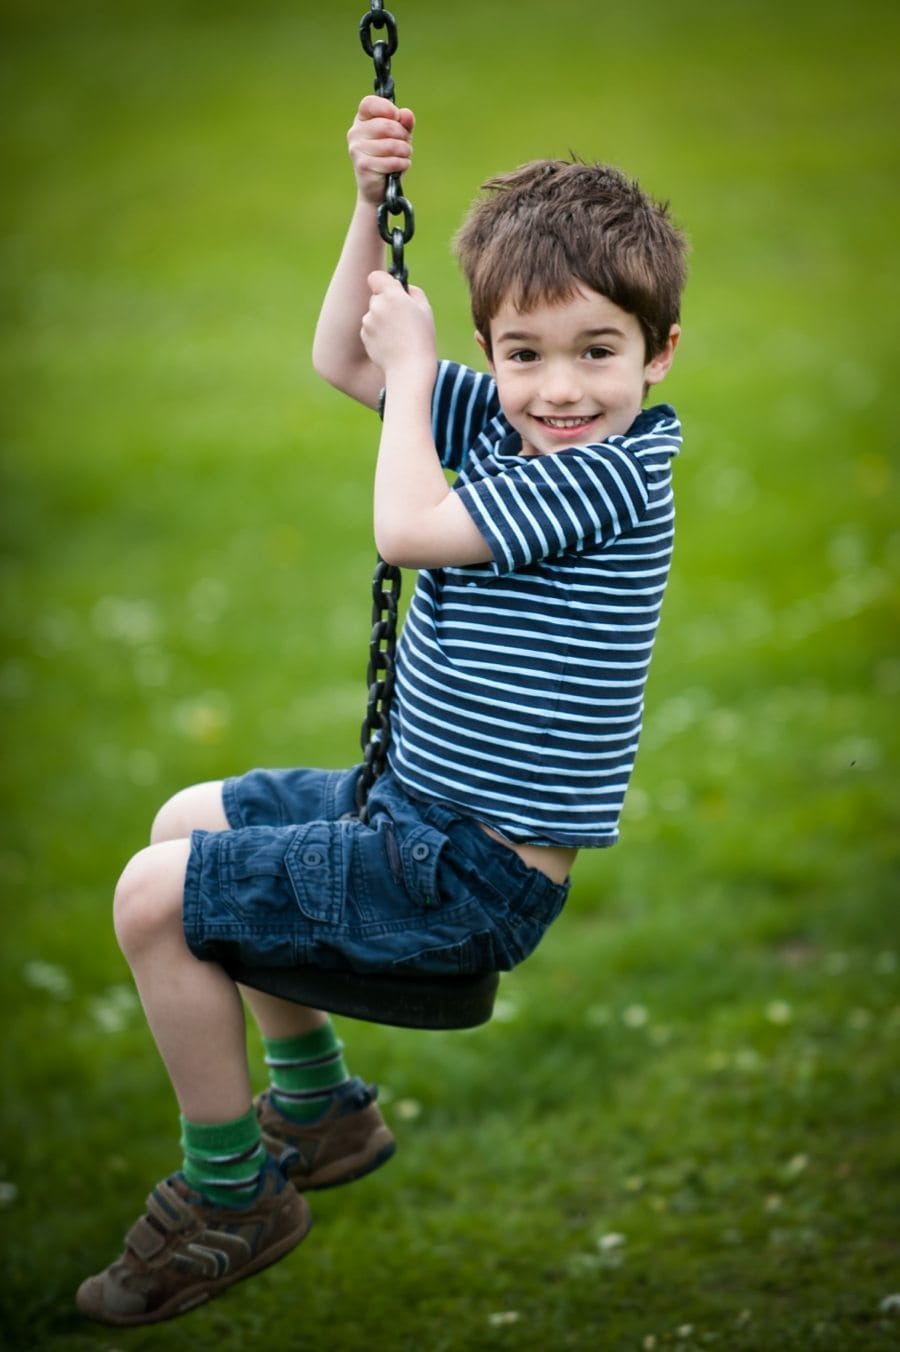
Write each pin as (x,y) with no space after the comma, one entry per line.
(148,897)
(196,808)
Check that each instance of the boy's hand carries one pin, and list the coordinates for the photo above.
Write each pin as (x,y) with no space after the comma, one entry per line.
(398,327)
(380,143)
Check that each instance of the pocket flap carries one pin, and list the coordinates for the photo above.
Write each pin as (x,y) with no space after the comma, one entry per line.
(420,851)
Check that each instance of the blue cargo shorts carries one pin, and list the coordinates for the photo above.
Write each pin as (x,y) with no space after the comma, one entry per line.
(299,879)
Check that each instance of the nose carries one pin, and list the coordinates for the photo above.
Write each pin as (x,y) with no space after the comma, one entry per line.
(560,384)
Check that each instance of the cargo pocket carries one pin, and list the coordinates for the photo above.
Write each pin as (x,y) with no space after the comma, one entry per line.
(420,852)
(318,865)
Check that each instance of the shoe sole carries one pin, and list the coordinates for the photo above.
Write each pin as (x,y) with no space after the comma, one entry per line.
(197,1295)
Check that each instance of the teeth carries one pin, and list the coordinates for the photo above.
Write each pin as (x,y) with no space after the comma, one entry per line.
(565,422)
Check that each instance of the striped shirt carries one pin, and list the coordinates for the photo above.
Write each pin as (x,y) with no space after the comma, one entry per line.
(520,682)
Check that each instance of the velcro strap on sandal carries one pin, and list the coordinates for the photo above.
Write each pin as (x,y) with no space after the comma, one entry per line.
(169,1209)
(167,1214)
(145,1240)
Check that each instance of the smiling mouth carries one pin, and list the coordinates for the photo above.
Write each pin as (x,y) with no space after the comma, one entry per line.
(565,423)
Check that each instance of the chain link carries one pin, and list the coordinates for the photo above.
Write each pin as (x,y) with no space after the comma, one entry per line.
(386,584)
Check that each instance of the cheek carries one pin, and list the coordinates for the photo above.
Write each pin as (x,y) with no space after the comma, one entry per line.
(513,394)
(621,390)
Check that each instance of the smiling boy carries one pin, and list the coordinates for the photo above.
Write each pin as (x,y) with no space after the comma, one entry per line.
(519,694)
(522,666)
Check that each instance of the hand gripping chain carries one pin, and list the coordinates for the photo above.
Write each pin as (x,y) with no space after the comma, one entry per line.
(386,584)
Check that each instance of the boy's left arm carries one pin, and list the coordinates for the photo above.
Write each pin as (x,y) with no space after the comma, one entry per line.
(419,521)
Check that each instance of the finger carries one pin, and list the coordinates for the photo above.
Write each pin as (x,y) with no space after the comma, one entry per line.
(380,139)
(384,146)
(384,130)
(381,281)
(373,105)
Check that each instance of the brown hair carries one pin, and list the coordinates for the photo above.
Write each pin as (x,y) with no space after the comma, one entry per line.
(553,225)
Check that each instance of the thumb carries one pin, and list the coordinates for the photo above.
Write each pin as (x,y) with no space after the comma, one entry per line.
(380,282)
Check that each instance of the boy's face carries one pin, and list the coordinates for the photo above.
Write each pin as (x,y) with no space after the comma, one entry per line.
(573,372)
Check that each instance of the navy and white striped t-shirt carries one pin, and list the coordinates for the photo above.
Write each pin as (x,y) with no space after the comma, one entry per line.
(520,682)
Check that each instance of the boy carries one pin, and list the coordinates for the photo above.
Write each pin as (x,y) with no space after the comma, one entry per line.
(520,681)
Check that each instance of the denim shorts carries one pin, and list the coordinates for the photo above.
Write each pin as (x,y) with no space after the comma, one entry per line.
(299,879)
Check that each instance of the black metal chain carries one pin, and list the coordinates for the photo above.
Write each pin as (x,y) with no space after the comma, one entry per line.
(394,203)
(386,584)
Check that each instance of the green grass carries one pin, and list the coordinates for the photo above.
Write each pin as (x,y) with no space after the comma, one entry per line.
(681,1129)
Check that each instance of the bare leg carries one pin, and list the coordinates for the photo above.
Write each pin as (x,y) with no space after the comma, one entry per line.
(193,1008)
(200,808)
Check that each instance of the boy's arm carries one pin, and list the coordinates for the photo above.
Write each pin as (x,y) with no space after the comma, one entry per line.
(380,144)
(419,521)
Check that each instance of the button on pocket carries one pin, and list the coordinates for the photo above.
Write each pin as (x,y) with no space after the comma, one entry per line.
(420,851)
(318,862)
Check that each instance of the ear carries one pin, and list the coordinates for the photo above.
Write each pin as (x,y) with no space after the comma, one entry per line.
(486,349)
(658,367)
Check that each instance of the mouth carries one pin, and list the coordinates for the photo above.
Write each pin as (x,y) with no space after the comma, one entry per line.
(567,424)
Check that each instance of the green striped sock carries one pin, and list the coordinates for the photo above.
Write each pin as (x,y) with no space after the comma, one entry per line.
(223,1160)
(305,1070)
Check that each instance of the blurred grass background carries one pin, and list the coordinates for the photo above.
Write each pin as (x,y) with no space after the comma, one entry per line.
(681,1129)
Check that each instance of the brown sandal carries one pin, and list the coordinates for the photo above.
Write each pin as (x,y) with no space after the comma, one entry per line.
(186,1251)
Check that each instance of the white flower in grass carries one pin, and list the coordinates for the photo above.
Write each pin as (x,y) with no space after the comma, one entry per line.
(128,621)
(408,1109)
(890,1304)
(584,1264)
(8,1194)
(796,1166)
(503,1317)
(637,804)
(505,1011)
(48,977)
(205,718)
(606,1243)
(779,1012)
(114,1009)
(635,1016)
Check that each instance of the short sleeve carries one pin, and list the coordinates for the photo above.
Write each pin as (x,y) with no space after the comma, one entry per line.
(464,404)
(543,506)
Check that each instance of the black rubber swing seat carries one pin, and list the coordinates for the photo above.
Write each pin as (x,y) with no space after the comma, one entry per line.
(404,1001)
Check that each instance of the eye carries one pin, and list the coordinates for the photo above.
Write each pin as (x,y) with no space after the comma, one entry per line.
(523,355)
(598,353)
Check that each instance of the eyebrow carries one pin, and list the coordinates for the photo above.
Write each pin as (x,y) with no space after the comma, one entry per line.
(521,336)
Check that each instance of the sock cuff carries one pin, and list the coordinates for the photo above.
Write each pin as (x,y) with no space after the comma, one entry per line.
(319,1043)
(238,1136)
